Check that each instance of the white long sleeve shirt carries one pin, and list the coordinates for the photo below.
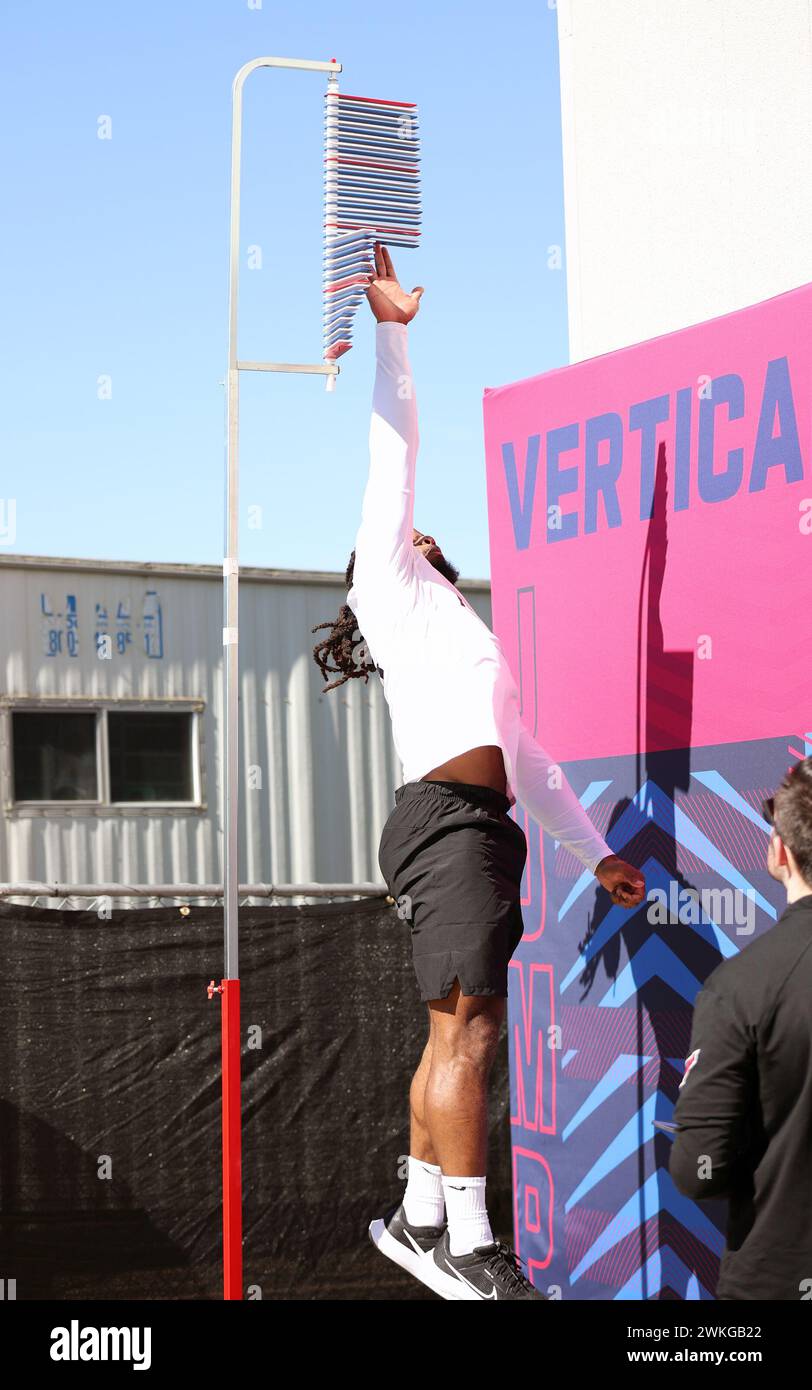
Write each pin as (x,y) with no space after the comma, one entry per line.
(445,677)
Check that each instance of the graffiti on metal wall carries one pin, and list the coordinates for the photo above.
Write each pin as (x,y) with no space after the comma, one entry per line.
(112,629)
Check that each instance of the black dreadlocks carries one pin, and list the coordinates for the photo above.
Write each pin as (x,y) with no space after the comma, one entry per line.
(345,645)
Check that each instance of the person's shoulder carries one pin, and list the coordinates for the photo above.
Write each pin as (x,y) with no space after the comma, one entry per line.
(384,590)
(382,564)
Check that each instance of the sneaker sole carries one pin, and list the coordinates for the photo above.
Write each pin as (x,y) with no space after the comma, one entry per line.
(448,1287)
(420,1266)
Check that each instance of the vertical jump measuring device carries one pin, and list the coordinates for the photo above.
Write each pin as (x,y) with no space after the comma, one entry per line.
(371,193)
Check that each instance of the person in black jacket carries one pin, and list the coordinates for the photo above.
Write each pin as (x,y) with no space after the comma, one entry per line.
(744,1109)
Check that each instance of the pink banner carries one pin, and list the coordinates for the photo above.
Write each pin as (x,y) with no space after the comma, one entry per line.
(704,437)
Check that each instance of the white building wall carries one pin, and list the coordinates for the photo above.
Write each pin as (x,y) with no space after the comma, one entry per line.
(324,765)
(687,152)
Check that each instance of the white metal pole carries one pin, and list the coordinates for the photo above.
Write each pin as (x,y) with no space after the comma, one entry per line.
(231,560)
(229,987)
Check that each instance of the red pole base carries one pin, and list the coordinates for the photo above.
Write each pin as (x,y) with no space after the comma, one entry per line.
(232,1141)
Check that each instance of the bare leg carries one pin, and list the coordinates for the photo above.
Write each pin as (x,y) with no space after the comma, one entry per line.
(420,1145)
(464,1038)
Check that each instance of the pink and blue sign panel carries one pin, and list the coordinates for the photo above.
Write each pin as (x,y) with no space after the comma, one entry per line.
(651,560)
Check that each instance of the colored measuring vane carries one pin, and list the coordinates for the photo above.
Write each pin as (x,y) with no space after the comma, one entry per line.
(371,193)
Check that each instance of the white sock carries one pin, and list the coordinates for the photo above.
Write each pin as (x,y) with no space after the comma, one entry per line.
(423,1199)
(468,1223)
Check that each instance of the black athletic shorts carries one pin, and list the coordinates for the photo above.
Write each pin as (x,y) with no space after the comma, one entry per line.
(453,859)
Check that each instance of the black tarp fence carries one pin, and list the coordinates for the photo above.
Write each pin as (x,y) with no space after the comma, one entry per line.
(110,1138)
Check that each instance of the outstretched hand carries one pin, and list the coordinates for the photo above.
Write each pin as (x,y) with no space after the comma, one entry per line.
(388,301)
(624,884)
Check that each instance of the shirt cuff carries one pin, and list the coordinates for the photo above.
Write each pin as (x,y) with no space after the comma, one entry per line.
(597,858)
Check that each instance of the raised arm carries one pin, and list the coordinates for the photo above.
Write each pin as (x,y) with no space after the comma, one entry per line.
(384,539)
(542,788)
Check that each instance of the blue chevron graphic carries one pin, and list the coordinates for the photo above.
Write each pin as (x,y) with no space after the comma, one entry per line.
(602,1150)
(621,1069)
(650,802)
(617,917)
(653,961)
(595,789)
(657,1194)
(635,1133)
(663,1269)
(720,786)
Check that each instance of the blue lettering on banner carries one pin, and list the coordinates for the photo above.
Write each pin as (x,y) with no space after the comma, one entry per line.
(645,417)
(785,447)
(602,477)
(605,450)
(521,507)
(682,452)
(718,487)
(560,481)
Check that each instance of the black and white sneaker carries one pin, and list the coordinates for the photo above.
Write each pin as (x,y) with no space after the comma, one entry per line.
(409,1246)
(491,1272)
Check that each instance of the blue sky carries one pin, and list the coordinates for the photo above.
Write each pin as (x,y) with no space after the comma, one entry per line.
(114,264)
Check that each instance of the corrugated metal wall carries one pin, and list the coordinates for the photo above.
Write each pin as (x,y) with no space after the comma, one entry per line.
(319,770)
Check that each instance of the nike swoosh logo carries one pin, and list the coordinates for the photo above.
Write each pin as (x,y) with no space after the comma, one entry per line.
(413,1242)
(477,1291)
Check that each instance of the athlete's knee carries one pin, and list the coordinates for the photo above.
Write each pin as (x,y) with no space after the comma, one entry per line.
(470,1037)
(464,1062)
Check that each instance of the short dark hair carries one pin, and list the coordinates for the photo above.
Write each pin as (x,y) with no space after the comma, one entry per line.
(793,815)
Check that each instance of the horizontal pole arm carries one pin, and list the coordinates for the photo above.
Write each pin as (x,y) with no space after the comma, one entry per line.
(307,63)
(322,368)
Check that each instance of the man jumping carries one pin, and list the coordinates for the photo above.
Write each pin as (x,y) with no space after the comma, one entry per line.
(449,853)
